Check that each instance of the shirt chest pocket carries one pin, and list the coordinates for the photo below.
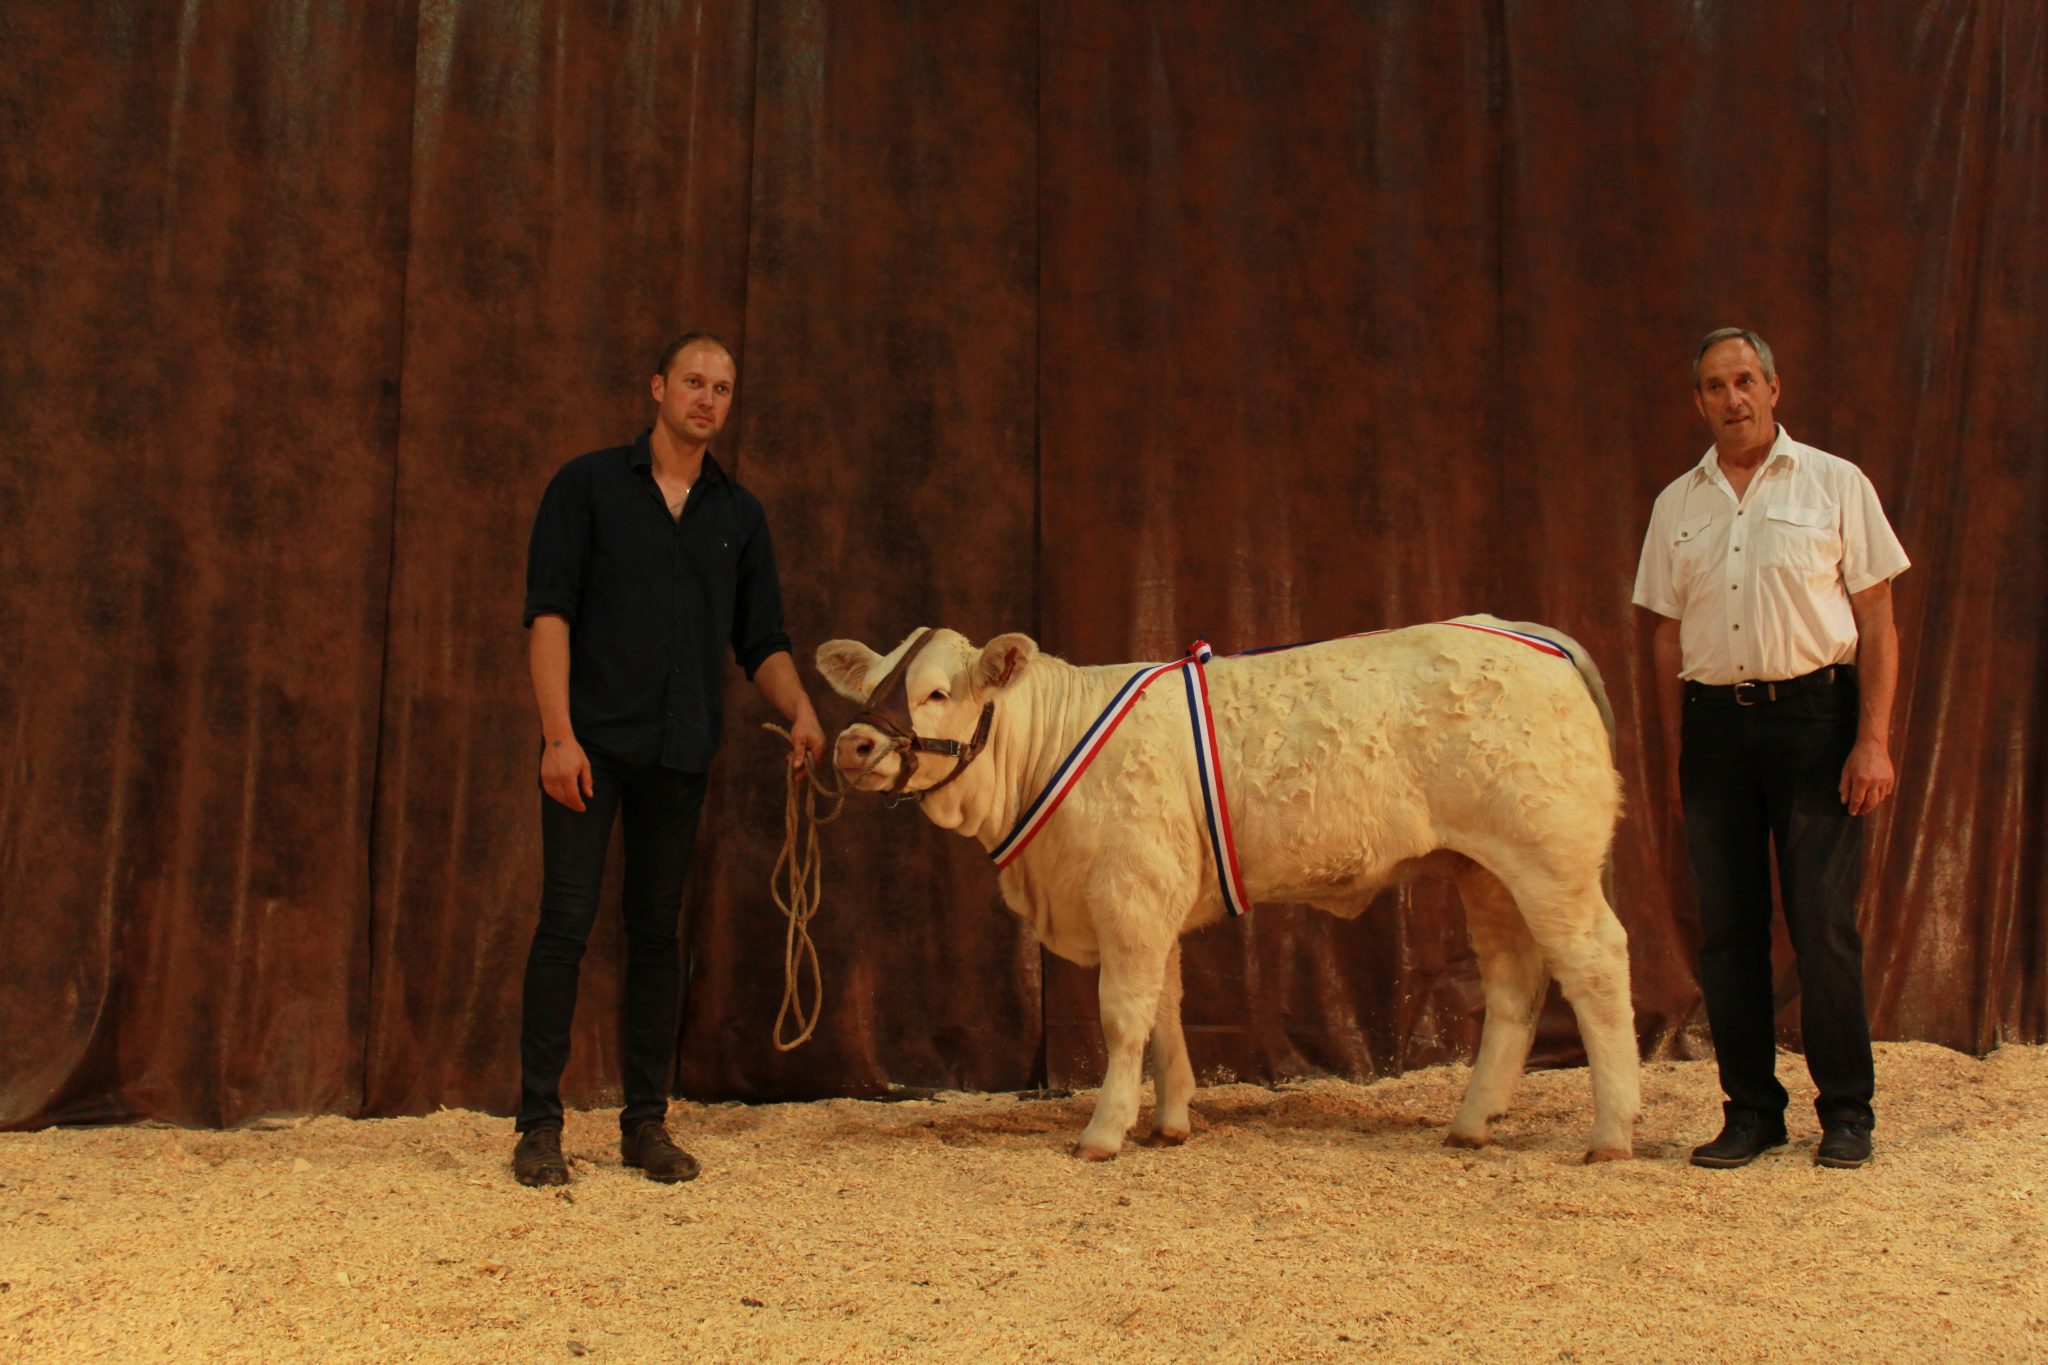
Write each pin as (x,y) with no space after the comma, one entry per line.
(1689,551)
(1802,540)
(713,552)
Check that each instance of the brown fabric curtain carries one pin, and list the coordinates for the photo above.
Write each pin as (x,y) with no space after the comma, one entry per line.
(1115,324)
(203,221)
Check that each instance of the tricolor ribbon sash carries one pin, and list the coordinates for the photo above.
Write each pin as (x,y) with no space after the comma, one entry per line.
(1209,766)
(1215,809)
(1077,760)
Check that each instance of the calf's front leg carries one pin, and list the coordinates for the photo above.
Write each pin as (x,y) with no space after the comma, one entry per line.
(1132,976)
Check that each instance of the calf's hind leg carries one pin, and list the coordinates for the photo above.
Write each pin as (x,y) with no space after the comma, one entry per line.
(1173,1076)
(1514,977)
(1588,950)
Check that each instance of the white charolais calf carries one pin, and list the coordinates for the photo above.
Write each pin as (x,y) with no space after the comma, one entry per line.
(1347,767)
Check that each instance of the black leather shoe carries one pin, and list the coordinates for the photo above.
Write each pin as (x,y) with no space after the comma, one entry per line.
(537,1160)
(1744,1137)
(650,1148)
(1844,1146)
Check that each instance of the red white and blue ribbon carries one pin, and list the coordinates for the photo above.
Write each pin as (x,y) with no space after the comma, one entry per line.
(1215,809)
(1538,642)
(1208,765)
(1077,760)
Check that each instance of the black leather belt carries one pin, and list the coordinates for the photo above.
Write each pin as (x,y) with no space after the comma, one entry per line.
(1752,693)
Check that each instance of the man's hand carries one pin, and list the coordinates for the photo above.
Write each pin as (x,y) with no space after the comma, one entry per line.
(1666,656)
(565,773)
(1867,777)
(807,739)
(777,681)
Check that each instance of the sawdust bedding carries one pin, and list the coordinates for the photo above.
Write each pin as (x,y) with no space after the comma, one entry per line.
(1317,1220)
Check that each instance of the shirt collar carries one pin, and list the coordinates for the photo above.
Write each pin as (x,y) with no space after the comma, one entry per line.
(1784,448)
(642,459)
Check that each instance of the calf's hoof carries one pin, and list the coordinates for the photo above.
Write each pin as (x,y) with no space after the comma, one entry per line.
(1598,1154)
(1089,1152)
(1470,1144)
(1165,1137)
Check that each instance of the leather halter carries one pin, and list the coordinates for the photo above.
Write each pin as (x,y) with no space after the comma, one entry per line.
(905,739)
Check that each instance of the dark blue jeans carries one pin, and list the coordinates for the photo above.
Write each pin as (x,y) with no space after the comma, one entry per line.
(1752,777)
(660,809)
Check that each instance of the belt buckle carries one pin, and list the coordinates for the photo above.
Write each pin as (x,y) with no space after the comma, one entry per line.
(1747,692)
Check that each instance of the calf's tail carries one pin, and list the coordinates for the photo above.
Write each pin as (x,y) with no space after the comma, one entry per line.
(1589,671)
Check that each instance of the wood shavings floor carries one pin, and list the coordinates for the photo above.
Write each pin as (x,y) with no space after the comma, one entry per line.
(1314,1221)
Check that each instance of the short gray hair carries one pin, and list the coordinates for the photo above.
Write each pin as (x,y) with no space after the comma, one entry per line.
(1721,334)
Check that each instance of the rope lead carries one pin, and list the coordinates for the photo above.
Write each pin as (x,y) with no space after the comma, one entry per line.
(800,868)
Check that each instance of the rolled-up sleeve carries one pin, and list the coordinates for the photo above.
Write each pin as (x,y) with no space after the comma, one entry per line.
(757,631)
(559,549)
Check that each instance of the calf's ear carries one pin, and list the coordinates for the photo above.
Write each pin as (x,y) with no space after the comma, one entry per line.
(846,664)
(1002,659)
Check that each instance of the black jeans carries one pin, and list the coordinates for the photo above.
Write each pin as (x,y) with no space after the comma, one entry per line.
(660,808)
(1751,776)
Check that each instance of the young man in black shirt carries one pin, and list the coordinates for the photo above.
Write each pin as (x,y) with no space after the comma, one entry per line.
(648,561)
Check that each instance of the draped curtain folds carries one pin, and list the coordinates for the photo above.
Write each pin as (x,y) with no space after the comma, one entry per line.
(1115,324)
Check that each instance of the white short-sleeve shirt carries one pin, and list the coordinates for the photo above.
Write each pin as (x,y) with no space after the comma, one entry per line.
(1760,585)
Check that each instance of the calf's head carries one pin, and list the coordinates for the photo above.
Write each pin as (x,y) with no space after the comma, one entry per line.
(929,705)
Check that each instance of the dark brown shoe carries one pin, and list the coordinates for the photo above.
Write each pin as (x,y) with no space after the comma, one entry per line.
(537,1160)
(1844,1146)
(1744,1138)
(650,1148)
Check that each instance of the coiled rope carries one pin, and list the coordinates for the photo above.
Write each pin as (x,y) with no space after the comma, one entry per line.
(800,869)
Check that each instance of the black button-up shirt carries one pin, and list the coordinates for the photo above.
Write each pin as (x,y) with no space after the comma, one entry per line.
(652,602)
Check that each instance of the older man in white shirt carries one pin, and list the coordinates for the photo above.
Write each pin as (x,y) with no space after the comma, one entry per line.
(1769,566)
